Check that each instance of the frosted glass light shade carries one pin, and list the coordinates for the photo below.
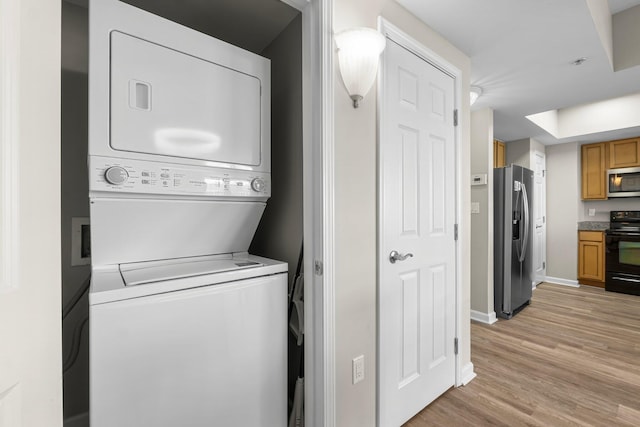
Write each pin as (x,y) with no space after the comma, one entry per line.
(474,94)
(359,51)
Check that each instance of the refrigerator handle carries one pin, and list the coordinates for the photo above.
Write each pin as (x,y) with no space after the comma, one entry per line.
(525,208)
(517,205)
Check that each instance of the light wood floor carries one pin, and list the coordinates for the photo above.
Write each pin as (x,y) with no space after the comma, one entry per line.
(572,358)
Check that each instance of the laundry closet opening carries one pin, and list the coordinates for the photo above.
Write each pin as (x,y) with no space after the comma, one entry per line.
(268,28)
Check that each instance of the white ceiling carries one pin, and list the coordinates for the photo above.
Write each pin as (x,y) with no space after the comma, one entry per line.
(521,53)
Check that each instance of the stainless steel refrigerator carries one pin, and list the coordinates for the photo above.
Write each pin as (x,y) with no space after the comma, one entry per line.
(513,266)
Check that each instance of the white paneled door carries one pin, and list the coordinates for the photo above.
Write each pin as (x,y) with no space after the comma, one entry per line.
(540,212)
(417,243)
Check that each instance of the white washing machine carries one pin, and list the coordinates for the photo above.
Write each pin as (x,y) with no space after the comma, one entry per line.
(186,328)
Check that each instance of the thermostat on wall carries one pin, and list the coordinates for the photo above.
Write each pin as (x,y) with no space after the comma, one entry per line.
(479,179)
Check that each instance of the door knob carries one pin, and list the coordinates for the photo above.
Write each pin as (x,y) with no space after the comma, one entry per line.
(397,256)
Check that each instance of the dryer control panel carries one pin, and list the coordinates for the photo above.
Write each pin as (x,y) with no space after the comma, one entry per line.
(143,177)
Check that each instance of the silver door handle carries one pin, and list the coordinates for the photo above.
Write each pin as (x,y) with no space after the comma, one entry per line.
(397,256)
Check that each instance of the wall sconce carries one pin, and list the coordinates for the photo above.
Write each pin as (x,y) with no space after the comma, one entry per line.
(475,93)
(359,50)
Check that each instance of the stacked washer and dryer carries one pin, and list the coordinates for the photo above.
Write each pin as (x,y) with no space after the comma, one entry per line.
(186,328)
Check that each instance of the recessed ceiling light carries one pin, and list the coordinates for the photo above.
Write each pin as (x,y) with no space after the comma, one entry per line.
(579,61)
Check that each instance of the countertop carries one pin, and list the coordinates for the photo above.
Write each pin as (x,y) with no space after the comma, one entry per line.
(593,225)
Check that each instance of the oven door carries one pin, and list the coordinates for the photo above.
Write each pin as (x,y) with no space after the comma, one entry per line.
(623,262)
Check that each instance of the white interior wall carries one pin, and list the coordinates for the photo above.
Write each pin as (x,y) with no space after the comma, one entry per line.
(279,235)
(75,195)
(518,152)
(604,207)
(522,152)
(482,222)
(355,212)
(75,203)
(626,33)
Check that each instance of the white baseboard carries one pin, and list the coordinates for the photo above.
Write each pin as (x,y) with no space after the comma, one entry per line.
(80,420)
(488,318)
(467,374)
(560,281)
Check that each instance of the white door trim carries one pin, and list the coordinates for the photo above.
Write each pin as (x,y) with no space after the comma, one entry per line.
(534,155)
(397,35)
(318,203)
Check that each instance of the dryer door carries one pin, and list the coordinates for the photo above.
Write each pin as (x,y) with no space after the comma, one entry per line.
(173,104)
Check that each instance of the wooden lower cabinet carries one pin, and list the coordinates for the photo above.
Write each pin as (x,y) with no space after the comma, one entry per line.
(591,258)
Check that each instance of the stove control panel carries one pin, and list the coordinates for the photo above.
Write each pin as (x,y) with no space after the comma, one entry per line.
(138,176)
(620,216)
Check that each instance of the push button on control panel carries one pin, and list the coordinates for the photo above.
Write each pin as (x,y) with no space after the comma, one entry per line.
(116,175)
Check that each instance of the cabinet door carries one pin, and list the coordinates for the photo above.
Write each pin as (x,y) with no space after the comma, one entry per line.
(594,171)
(624,153)
(590,260)
(498,154)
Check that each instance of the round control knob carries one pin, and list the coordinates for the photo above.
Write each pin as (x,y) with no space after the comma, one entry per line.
(258,185)
(116,175)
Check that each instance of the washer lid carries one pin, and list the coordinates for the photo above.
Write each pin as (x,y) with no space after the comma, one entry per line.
(157,271)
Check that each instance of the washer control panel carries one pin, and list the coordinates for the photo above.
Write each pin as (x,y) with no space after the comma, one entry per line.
(138,176)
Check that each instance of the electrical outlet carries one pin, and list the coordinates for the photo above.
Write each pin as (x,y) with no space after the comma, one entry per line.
(357,370)
(80,241)
(592,212)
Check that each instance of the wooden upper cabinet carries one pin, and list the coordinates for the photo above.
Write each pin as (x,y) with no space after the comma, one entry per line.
(594,171)
(624,153)
(499,155)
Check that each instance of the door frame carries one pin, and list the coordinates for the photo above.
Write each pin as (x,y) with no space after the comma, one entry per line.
(543,155)
(398,36)
(318,207)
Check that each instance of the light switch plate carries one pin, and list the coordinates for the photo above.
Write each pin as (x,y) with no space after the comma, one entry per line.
(475,207)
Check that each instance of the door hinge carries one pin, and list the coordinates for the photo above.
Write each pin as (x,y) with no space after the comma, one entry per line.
(455,346)
(455,231)
(544,264)
(455,117)
(318,268)
(543,172)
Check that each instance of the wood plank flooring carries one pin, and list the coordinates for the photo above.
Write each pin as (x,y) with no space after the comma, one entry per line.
(572,358)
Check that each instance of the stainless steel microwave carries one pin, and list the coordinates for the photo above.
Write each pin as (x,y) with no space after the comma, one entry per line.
(623,182)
